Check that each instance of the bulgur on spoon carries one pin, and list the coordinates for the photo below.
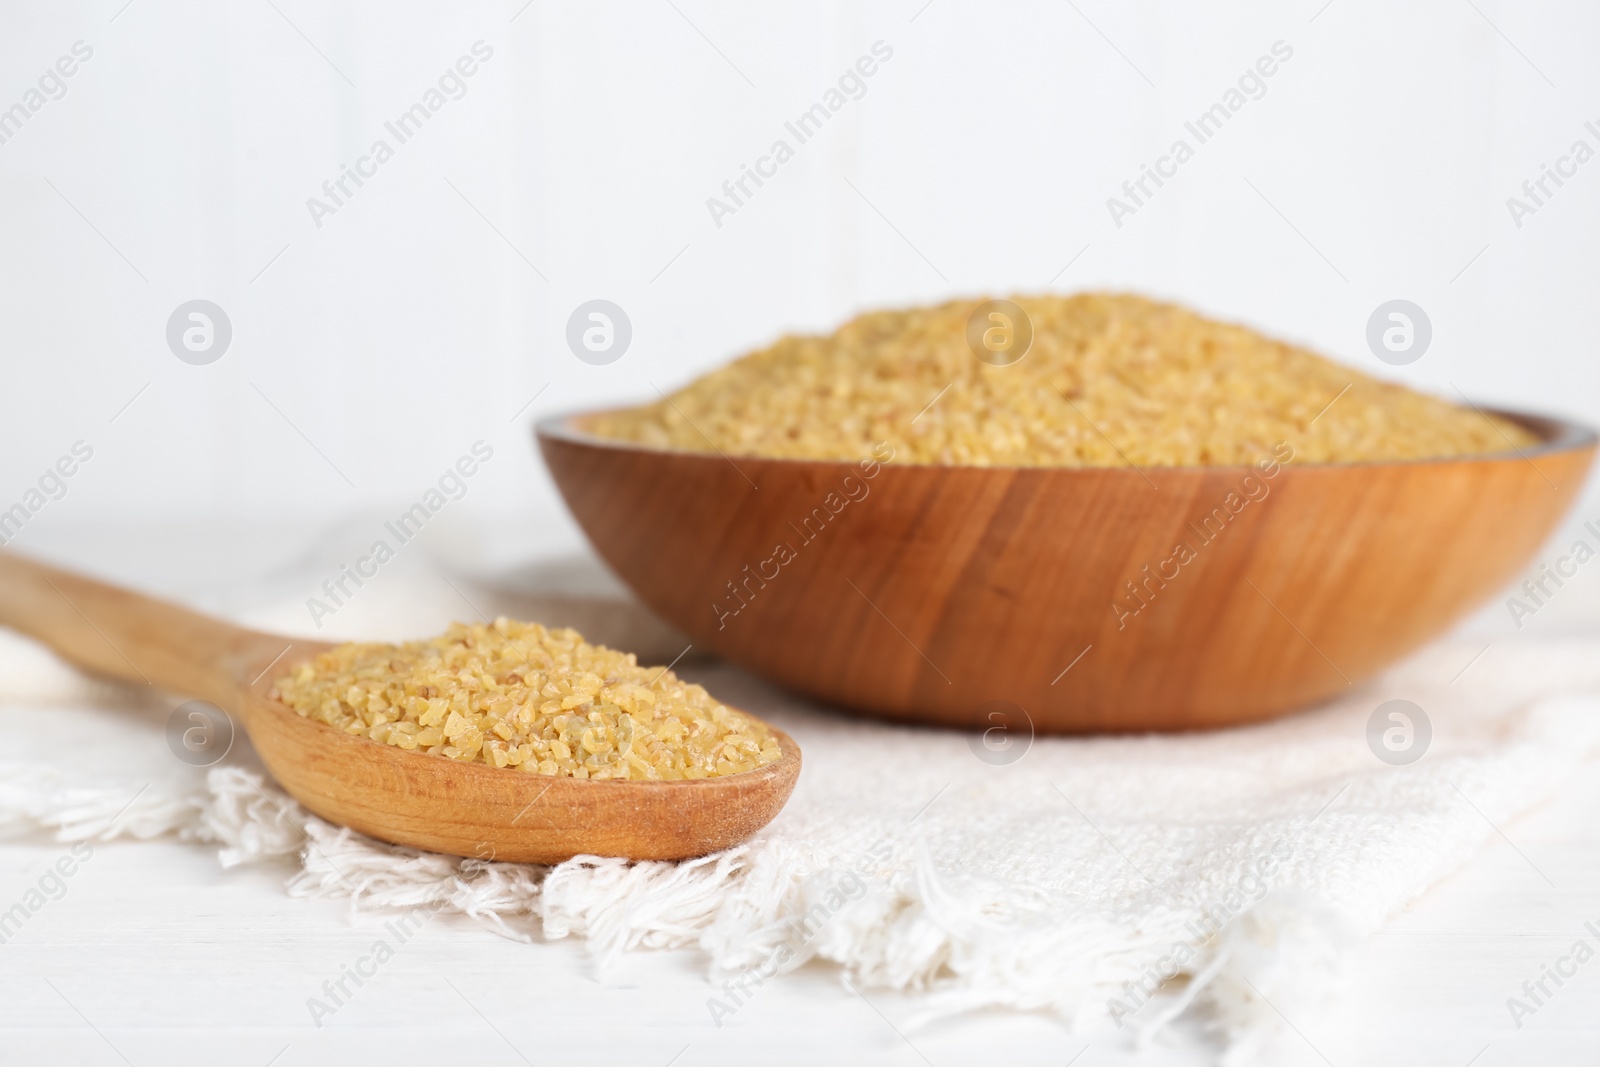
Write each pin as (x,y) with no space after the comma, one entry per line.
(505,741)
(515,694)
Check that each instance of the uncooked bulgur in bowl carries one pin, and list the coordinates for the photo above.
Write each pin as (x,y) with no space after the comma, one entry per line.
(1107,381)
(1123,516)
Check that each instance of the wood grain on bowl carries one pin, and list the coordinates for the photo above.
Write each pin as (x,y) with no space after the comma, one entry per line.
(1092,598)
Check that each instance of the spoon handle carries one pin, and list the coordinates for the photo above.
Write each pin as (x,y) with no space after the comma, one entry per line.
(129,636)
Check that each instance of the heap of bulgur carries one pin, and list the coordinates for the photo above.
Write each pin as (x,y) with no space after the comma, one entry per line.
(1110,380)
(514,694)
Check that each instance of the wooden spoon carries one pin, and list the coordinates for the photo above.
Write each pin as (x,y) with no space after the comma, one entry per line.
(408,798)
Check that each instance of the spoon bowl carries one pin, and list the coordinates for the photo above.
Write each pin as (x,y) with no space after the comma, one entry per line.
(405,798)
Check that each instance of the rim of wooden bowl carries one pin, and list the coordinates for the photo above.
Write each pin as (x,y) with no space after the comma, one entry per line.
(1556,434)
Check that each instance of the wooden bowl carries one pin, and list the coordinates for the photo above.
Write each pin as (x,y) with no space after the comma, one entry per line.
(931,593)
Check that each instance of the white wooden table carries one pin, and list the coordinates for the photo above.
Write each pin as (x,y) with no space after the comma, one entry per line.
(155,955)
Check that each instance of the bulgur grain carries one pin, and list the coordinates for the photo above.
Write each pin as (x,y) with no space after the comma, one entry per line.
(514,694)
(1110,380)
